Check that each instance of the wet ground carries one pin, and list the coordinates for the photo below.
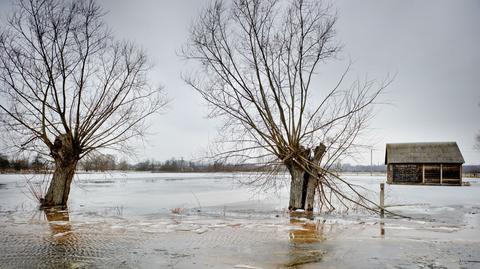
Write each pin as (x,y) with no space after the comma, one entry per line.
(143,220)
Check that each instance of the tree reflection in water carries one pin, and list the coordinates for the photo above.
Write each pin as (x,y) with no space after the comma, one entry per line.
(305,238)
(59,223)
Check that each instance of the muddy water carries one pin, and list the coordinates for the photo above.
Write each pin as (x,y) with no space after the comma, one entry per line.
(210,221)
(56,239)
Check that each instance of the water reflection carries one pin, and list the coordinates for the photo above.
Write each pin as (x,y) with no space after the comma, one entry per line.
(306,231)
(59,223)
(305,238)
(382,228)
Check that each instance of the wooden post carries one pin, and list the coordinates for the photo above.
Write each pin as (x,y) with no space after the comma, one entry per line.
(382,198)
(461,174)
(423,173)
(441,174)
(389,173)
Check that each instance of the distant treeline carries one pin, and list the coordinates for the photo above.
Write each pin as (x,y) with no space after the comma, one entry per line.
(105,162)
(473,170)
(174,165)
(108,162)
(19,164)
(363,168)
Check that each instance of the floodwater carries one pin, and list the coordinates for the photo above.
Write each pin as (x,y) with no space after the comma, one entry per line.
(148,220)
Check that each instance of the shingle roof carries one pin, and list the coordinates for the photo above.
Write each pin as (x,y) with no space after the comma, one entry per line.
(438,152)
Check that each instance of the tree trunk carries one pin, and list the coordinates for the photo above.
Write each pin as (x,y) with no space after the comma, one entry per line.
(296,187)
(57,194)
(310,193)
(313,177)
(66,159)
(304,180)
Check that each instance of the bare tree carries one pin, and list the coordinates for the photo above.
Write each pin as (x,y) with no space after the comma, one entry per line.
(68,88)
(258,66)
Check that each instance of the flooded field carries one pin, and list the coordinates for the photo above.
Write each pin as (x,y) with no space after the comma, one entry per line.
(148,220)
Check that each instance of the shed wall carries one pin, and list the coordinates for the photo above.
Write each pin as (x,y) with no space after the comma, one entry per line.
(409,173)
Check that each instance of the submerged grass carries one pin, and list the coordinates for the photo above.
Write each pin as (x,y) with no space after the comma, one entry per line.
(37,189)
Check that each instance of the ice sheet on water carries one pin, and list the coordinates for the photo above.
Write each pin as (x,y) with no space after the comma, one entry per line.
(62,234)
(245,266)
(216,196)
(200,230)
(59,222)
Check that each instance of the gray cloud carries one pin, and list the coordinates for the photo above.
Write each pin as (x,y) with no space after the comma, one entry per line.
(431,45)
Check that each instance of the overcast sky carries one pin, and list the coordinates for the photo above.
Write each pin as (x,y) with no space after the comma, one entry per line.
(433,47)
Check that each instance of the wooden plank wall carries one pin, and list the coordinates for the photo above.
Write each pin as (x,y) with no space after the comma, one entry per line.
(424,173)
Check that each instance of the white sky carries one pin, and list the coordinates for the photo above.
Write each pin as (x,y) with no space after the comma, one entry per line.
(432,46)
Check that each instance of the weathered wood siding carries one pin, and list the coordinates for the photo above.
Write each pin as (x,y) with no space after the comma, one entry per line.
(389,173)
(406,173)
(424,173)
(432,173)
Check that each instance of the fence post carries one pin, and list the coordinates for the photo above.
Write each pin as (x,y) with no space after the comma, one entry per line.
(382,198)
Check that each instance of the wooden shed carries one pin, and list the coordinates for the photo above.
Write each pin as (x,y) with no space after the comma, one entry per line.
(424,163)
